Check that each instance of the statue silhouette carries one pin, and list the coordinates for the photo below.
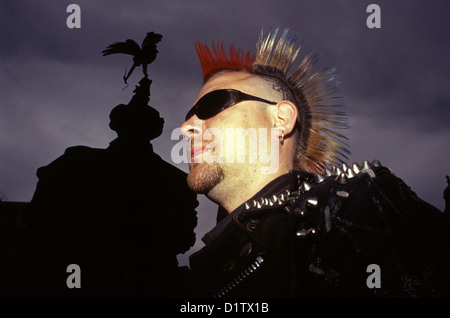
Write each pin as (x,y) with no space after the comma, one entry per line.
(447,198)
(141,55)
(122,214)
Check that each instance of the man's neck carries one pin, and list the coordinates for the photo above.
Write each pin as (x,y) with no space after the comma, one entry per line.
(231,195)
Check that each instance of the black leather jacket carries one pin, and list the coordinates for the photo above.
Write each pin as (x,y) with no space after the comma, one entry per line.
(307,235)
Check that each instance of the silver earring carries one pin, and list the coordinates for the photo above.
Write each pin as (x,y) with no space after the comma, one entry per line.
(282,137)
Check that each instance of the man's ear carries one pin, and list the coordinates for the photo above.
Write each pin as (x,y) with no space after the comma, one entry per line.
(285,116)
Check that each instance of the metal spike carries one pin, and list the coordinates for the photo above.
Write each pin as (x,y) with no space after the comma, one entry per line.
(376,163)
(312,202)
(261,201)
(327,173)
(356,168)
(333,170)
(274,198)
(258,205)
(288,193)
(305,186)
(344,167)
(350,173)
(341,179)
(318,178)
(366,165)
(270,202)
(247,206)
(254,203)
(281,198)
(304,232)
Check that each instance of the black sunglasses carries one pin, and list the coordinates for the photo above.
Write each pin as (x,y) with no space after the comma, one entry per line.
(216,101)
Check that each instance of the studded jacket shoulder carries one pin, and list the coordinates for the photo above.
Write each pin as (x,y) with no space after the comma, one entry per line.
(350,220)
(320,235)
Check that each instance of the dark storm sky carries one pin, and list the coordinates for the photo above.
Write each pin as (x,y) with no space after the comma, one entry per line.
(56,88)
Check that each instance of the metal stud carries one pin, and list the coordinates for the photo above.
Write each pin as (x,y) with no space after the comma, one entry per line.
(327,173)
(254,203)
(301,233)
(270,202)
(246,249)
(305,186)
(281,198)
(258,205)
(356,168)
(247,206)
(312,202)
(342,178)
(304,232)
(366,165)
(376,163)
(274,198)
(251,225)
(337,171)
(318,178)
(350,173)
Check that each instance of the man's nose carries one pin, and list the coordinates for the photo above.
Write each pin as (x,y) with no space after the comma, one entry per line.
(192,127)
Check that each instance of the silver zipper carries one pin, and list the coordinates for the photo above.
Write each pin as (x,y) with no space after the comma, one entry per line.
(239,278)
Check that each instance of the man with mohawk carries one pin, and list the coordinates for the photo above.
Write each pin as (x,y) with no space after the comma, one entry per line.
(316,227)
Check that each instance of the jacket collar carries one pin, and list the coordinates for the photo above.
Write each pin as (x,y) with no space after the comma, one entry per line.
(279,187)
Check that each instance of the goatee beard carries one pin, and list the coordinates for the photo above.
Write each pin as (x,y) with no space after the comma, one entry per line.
(203,177)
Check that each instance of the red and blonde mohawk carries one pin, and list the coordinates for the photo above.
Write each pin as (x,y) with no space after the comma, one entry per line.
(319,143)
(218,60)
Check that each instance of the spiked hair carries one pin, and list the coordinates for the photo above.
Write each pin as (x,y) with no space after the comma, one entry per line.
(318,142)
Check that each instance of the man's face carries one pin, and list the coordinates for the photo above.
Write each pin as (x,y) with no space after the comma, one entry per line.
(217,147)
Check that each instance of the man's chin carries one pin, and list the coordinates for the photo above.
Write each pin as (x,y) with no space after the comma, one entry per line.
(202,178)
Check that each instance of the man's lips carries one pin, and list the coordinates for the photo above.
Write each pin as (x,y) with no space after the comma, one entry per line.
(197,150)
